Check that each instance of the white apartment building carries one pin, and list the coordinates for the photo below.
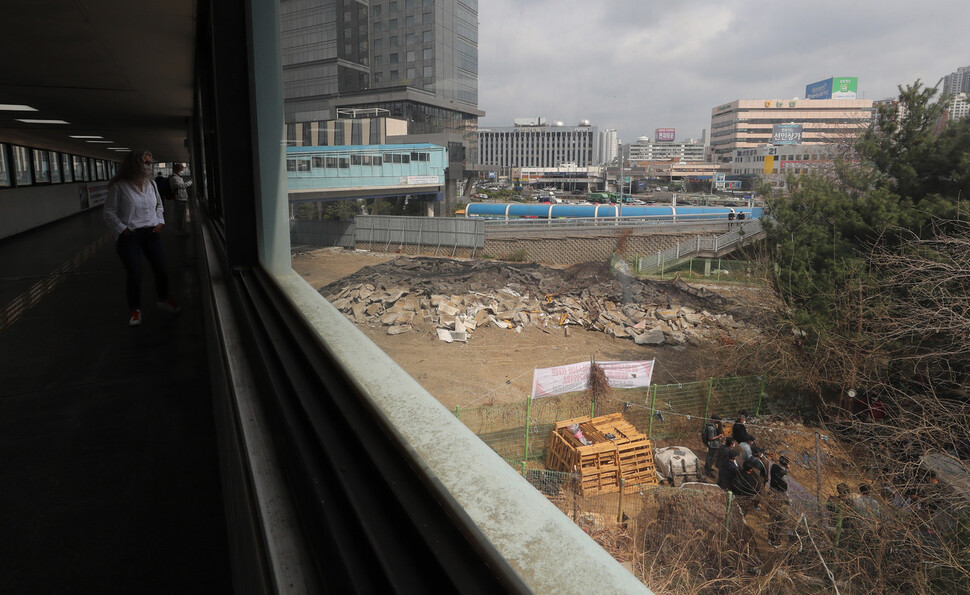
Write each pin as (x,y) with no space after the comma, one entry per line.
(647,150)
(958,107)
(748,123)
(539,146)
(957,82)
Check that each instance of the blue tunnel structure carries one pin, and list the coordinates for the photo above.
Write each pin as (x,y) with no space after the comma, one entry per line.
(604,211)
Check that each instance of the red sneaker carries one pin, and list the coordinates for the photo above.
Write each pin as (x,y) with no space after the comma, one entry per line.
(135,319)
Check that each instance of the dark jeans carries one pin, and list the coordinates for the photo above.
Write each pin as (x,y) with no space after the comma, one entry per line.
(130,248)
(710,460)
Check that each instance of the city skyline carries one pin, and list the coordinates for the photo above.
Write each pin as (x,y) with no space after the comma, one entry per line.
(638,66)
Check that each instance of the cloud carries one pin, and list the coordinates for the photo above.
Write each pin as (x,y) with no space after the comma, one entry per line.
(636,66)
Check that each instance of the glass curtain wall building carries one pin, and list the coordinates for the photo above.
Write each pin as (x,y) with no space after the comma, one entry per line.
(335,48)
(416,59)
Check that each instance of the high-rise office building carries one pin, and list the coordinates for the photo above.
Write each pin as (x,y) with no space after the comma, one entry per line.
(416,60)
(347,53)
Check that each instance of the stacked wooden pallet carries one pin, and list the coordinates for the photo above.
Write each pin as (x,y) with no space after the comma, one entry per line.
(603,461)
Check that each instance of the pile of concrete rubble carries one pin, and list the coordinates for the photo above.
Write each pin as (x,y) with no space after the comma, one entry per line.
(455,298)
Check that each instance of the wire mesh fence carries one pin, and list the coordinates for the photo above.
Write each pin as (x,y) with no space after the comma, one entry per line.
(696,536)
(520,431)
(722,270)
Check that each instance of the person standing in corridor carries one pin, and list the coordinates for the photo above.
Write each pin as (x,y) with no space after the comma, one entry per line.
(179,188)
(133,209)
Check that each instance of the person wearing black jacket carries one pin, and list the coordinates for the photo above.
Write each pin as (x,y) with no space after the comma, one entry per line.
(727,470)
(779,500)
(747,486)
(758,460)
(739,432)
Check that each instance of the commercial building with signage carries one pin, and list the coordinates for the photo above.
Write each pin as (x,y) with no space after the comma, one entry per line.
(774,162)
(750,123)
(538,146)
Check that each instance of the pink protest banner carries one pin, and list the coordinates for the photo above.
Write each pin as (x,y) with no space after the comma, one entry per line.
(548,382)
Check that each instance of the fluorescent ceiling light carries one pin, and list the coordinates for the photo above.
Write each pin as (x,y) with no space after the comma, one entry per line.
(9,107)
(85,136)
(107,142)
(32,121)
(118,149)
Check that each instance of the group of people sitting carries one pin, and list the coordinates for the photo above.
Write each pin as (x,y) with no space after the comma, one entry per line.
(742,465)
(744,469)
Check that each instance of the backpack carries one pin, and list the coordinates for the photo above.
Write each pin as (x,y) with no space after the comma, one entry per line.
(704,439)
(164,187)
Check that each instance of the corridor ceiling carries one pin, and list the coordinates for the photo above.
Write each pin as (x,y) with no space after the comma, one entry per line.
(119,70)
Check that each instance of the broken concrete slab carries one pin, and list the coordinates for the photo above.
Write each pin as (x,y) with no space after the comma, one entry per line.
(651,337)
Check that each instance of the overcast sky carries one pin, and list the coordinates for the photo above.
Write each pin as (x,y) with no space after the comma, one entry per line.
(637,65)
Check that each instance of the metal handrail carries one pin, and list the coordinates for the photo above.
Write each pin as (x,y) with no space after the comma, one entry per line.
(698,244)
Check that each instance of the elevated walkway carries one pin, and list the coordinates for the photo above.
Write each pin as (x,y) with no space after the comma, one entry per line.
(111,476)
(711,247)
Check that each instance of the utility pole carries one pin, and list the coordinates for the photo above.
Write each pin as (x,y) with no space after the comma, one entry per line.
(619,184)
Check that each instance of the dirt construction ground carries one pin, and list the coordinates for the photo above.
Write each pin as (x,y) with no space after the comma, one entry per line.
(495,364)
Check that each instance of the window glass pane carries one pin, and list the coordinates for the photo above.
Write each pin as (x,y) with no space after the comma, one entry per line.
(101,172)
(392,24)
(66,168)
(332,162)
(427,72)
(428,53)
(410,73)
(343,162)
(409,57)
(409,21)
(55,161)
(427,18)
(393,41)
(427,37)
(21,166)
(42,168)
(4,168)
(392,6)
(393,58)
